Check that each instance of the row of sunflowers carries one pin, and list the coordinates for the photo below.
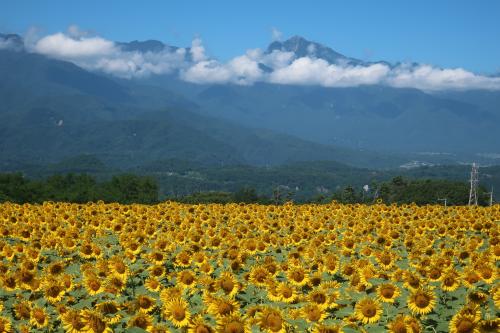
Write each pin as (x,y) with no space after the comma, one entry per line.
(248,268)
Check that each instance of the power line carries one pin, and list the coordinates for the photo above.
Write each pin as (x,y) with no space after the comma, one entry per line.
(474,183)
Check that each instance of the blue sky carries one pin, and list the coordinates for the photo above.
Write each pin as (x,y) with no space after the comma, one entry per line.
(443,33)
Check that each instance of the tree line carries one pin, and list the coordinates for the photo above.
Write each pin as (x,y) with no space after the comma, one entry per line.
(131,188)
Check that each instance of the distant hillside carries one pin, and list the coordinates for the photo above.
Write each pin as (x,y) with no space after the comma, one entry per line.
(53,110)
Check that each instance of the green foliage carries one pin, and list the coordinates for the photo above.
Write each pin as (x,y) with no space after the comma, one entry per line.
(78,188)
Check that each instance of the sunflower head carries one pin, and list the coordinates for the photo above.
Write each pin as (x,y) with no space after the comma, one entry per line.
(421,301)
(464,323)
(233,324)
(387,292)
(271,320)
(368,311)
(176,311)
(141,320)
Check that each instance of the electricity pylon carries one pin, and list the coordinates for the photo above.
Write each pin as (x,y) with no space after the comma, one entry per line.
(474,183)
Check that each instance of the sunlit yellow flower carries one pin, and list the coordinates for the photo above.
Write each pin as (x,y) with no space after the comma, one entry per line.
(95,322)
(368,311)
(462,323)
(5,325)
(233,324)
(199,325)
(110,311)
(387,292)
(421,301)
(72,321)
(39,318)
(141,320)
(177,312)
(313,313)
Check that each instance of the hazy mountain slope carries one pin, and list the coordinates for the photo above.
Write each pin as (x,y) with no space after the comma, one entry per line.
(52,110)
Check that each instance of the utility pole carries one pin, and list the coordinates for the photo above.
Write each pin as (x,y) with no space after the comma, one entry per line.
(474,183)
(445,200)
(491,196)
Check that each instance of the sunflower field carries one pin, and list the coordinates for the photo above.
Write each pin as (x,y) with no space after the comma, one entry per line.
(248,268)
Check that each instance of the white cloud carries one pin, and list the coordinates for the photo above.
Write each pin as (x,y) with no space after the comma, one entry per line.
(429,78)
(99,54)
(276,34)
(63,46)
(311,71)
(240,70)
(197,50)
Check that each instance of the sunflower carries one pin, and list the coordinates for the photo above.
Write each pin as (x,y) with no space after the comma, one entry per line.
(496,296)
(313,313)
(176,310)
(421,301)
(141,320)
(471,309)
(186,279)
(297,276)
(271,320)
(368,311)
(53,290)
(93,285)
(487,273)
(223,306)
(171,292)
(385,259)
(145,303)
(22,310)
(66,281)
(183,259)
(450,281)
(435,273)
(95,322)
(319,296)
(228,284)
(110,311)
(199,325)
(331,328)
(115,284)
(287,293)
(411,281)
(39,318)
(315,279)
(387,292)
(399,325)
(233,324)
(463,323)
(152,284)
(86,251)
(72,321)
(470,277)
(490,325)
(259,276)
(9,282)
(157,271)
(5,325)
(119,267)
(477,297)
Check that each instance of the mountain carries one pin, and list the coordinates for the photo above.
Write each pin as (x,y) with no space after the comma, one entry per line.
(12,42)
(53,110)
(302,47)
(153,46)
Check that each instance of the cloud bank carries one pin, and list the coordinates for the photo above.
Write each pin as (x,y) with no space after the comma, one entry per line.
(194,65)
